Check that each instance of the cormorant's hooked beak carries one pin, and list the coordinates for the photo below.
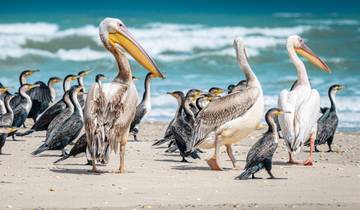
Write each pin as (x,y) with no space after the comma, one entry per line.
(281,112)
(85,73)
(3,89)
(8,130)
(340,87)
(307,53)
(74,78)
(57,80)
(31,72)
(124,38)
(33,86)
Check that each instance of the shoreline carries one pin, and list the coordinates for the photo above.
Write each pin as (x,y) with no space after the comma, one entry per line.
(157,180)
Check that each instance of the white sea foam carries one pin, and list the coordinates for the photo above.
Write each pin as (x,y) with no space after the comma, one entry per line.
(83,54)
(158,38)
(329,22)
(291,15)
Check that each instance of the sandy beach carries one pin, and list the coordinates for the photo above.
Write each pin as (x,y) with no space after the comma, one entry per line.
(157,180)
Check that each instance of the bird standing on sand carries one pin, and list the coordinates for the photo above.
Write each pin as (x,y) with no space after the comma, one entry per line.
(6,118)
(66,126)
(42,97)
(110,109)
(81,144)
(261,153)
(182,128)
(143,108)
(230,118)
(302,101)
(22,109)
(50,113)
(328,121)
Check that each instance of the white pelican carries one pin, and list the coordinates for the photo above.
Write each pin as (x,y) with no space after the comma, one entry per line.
(110,108)
(302,101)
(232,117)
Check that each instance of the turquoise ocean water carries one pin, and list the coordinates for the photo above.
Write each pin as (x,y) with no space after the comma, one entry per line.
(191,42)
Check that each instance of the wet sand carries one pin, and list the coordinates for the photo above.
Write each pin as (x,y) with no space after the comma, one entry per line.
(157,180)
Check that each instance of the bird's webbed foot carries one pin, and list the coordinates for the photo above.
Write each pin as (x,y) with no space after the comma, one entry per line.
(212,162)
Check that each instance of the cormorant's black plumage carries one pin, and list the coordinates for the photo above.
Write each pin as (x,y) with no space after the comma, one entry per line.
(328,121)
(261,153)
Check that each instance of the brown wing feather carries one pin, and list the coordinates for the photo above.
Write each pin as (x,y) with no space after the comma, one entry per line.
(94,118)
(223,110)
(119,113)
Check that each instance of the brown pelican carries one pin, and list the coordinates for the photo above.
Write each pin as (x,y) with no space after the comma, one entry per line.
(143,108)
(328,121)
(261,153)
(42,97)
(230,118)
(302,101)
(66,126)
(110,109)
(50,113)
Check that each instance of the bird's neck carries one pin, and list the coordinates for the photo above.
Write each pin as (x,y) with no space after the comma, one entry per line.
(77,106)
(2,107)
(124,70)
(81,82)
(244,66)
(52,91)
(302,77)
(272,127)
(66,85)
(147,92)
(22,79)
(24,95)
(8,106)
(187,109)
(68,103)
(179,107)
(332,100)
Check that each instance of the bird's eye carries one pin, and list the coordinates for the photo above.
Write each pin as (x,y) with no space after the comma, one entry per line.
(120,24)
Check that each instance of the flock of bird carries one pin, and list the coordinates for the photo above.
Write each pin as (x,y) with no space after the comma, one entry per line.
(110,112)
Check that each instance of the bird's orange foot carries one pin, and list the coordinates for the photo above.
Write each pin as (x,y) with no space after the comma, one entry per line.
(308,162)
(212,162)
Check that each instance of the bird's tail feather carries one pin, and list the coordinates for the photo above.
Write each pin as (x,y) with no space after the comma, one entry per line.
(62,158)
(161,141)
(25,133)
(249,171)
(41,149)
(172,149)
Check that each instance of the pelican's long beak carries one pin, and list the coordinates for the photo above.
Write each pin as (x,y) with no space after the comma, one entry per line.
(124,38)
(307,53)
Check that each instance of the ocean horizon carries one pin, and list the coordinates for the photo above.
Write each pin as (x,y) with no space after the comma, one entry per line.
(192,44)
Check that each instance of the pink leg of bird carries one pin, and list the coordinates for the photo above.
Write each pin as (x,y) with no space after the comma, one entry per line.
(212,162)
(309,161)
(292,161)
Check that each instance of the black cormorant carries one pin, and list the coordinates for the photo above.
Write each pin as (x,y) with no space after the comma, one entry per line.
(261,153)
